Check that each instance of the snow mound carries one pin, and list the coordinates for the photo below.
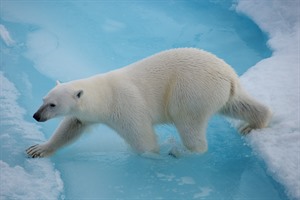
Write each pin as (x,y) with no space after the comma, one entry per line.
(37,179)
(275,81)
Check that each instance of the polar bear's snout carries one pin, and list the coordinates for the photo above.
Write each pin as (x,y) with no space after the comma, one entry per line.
(39,115)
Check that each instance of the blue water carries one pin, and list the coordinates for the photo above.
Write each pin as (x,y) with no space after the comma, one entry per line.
(111,34)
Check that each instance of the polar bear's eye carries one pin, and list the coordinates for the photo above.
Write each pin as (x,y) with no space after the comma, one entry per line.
(52,105)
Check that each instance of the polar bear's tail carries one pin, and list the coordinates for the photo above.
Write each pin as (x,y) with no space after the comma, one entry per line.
(242,106)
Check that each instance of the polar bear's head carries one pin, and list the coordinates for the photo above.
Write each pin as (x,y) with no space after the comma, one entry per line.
(60,101)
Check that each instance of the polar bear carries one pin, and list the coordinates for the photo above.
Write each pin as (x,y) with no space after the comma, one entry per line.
(183,86)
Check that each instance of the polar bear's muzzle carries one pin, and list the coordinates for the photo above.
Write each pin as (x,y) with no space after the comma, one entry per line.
(39,116)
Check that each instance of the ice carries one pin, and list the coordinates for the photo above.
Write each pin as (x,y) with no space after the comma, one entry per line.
(204,192)
(22,178)
(186,180)
(4,34)
(109,35)
(276,82)
(43,41)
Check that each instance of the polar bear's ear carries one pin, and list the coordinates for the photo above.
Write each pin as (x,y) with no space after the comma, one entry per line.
(78,94)
(57,82)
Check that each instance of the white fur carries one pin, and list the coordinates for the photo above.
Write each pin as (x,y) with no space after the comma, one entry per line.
(184,87)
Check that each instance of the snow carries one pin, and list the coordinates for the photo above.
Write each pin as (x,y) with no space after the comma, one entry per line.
(27,178)
(275,81)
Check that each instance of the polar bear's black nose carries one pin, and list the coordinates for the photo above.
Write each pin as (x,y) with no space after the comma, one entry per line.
(37,117)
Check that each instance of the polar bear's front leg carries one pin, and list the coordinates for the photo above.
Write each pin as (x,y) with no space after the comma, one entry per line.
(69,130)
(138,134)
(141,139)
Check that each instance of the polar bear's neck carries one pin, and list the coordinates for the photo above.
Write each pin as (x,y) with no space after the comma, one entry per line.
(96,99)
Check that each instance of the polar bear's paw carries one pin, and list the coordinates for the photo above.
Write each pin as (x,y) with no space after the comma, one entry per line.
(245,129)
(39,151)
(175,152)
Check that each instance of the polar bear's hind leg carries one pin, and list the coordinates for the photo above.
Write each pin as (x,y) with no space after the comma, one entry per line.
(243,107)
(193,133)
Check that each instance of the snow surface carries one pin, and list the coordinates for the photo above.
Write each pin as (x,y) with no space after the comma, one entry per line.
(28,178)
(275,81)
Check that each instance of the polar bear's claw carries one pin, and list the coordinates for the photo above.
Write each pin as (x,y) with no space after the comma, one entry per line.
(38,151)
(32,151)
(245,129)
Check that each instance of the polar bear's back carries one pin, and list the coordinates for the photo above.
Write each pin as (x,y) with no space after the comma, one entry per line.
(184,78)
(182,60)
